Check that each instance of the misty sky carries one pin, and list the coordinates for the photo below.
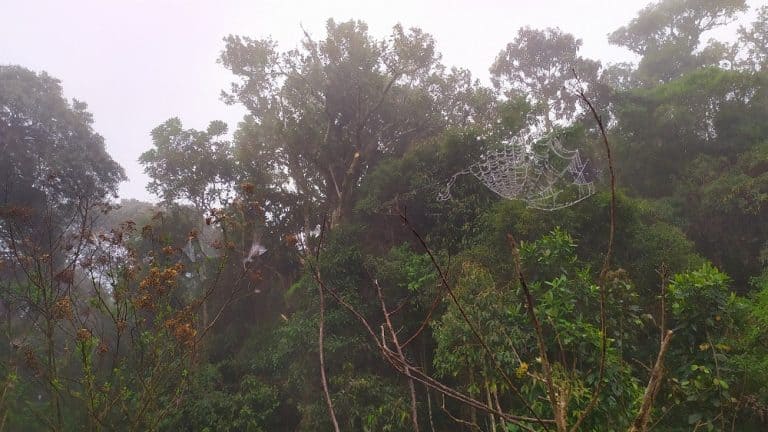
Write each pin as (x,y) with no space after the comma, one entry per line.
(139,62)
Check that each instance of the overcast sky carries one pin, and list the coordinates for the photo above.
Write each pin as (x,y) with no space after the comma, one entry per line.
(139,62)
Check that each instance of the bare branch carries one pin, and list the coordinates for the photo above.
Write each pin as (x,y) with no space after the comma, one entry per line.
(606,261)
(399,350)
(321,337)
(654,383)
(469,322)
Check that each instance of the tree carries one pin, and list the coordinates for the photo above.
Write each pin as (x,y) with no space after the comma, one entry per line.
(704,377)
(724,200)
(754,41)
(192,166)
(334,107)
(57,178)
(664,128)
(50,150)
(539,64)
(412,313)
(667,35)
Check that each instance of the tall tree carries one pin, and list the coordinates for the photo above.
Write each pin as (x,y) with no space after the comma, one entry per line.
(539,64)
(190,165)
(709,111)
(667,35)
(336,106)
(754,41)
(50,150)
(56,178)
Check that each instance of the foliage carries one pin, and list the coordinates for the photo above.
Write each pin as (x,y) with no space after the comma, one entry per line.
(667,35)
(50,150)
(190,165)
(204,312)
(754,40)
(539,65)
(214,405)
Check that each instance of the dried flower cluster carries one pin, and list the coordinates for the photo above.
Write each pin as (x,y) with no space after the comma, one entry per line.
(156,284)
(182,328)
(62,309)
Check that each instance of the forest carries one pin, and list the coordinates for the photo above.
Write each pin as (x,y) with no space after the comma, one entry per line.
(386,243)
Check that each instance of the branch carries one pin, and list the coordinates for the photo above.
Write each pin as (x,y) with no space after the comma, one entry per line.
(399,350)
(557,409)
(321,339)
(654,383)
(469,322)
(606,261)
(468,424)
(402,366)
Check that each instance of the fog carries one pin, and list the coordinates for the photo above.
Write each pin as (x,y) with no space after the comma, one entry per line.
(138,63)
(414,216)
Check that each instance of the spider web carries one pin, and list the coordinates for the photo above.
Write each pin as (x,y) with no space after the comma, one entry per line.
(543,174)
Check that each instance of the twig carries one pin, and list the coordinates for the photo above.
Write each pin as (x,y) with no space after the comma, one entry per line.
(654,383)
(419,376)
(321,340)
(468,424)
(557,409)
(399,350)
(427,319)
(606,261)
(664,273)
(469,322)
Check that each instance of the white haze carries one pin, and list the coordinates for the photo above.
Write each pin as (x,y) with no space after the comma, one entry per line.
(137,63)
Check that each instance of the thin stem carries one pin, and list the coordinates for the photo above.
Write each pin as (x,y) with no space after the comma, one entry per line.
(321,341)
(606,261)
(399,350)
(545,365)
(417,374)
(469,322)
(654,383)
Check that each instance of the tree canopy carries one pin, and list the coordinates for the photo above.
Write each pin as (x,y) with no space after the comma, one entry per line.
(305,269)
(48,144)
